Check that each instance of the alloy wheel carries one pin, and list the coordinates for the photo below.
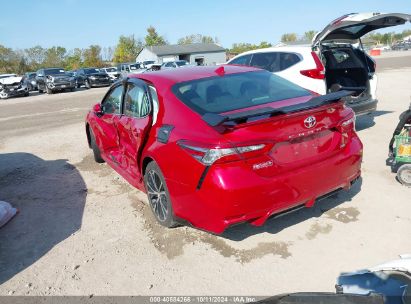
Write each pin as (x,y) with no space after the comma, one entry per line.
(157,196)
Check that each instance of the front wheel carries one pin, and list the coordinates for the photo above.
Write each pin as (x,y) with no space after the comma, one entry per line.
(158,196)
(404,175)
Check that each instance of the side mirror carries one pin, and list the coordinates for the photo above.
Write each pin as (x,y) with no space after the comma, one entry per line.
(97,109)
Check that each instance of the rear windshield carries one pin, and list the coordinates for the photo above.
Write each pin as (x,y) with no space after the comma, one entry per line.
(236,91)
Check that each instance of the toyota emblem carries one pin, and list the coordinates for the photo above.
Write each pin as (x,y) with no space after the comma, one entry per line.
(310,122)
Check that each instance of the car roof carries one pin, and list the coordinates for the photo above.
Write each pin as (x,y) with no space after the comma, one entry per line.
(192,73)
(291,49)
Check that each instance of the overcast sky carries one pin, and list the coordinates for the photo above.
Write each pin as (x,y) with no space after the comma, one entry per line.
(80,23)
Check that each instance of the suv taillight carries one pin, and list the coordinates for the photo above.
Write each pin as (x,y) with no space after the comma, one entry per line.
(318,72)
(208,155)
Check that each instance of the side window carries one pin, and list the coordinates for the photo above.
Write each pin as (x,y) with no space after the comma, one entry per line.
(267,61)
(170,65)
(242,60)
(136,101)
(288,60)
(111,105)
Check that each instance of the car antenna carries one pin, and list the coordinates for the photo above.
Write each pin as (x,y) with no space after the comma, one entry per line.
(220,71)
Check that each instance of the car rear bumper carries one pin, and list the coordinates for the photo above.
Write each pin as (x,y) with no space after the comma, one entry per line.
(363,107)
(234,194)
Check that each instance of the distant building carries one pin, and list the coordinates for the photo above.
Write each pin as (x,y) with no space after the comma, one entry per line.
(200,53)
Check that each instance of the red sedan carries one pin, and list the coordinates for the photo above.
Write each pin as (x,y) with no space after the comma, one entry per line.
(213,147)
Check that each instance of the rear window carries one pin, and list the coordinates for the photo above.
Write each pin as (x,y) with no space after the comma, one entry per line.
(236,91)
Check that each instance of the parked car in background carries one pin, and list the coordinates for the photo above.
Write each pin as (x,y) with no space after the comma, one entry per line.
(92,77)
(30,80)
(335,60)
(126,69)
(51,80)
(147,64)
(7,75)
(111,72)
(174,64)
(245,132)
(12,86)
(73,74)
(401,46)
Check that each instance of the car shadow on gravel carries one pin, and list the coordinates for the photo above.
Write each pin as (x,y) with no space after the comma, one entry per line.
(367,121)
(327,207)
(50,196)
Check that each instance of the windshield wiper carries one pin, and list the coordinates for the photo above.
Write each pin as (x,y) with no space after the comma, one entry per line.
(214,119)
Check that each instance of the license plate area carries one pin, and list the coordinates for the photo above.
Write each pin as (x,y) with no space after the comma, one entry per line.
(305,148)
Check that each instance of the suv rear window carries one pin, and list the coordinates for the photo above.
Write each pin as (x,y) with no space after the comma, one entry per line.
(236,91)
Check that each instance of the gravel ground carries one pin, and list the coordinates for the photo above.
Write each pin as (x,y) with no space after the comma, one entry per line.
(83,230)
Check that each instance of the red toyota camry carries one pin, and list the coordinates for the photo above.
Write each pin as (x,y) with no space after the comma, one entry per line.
(217,146)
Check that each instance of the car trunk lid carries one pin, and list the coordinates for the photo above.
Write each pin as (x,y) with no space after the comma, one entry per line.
(293,138)
(354,26)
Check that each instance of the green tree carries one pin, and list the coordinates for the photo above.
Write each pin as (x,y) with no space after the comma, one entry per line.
(74,59)
(289,37)
(263,45)
(92,56)
(238,48)
(127,49)
(196,38)
(9,60)
(309,35)
(35,57)
(55,57)
(153,38)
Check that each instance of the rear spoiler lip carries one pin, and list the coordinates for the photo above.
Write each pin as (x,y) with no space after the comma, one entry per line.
(214,119)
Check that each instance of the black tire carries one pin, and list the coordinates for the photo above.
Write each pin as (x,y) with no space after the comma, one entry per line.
(96,150)
(48,90)
(87,84)
(158,196)
(404,175)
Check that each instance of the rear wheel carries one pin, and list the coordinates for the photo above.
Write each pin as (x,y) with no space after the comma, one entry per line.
(95,148)
(158,196)
(404,175)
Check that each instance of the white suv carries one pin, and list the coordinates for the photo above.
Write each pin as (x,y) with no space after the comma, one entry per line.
(335,60)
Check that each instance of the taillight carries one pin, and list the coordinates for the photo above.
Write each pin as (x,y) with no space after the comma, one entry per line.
(347,127)
(318,72)
(208,155)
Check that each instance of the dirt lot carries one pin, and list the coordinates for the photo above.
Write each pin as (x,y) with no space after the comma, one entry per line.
(83,230)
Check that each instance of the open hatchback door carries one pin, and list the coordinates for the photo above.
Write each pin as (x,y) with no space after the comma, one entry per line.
(347,65)
(354,26)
